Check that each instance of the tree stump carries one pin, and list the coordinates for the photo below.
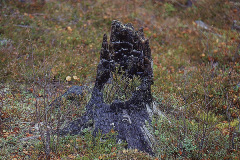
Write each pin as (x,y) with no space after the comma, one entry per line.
(117,102)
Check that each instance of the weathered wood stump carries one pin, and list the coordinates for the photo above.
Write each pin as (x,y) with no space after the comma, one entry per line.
(128,57)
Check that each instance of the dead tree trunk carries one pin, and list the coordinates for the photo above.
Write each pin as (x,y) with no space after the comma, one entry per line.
(127,107)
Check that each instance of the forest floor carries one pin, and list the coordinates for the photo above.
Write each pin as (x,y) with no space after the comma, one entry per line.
(196,63)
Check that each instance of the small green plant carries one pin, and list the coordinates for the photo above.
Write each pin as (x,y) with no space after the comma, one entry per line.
(88,146)
(169,8)
(121,87)
(187,139)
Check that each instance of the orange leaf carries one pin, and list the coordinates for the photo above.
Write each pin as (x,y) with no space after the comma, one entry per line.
(69,29)
(146,29)
(113,149)
(5,136)
(163,156)
(16,129)
(224,107)
(29,135)
(31,90)
(68,145)
(71,156)
(30,16)
(180,152)
(112,131)
(113,155)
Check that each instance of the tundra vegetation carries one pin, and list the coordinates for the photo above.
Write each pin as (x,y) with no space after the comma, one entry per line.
(48,46)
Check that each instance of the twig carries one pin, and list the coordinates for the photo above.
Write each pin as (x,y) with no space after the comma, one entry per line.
(23,26)
(29,138)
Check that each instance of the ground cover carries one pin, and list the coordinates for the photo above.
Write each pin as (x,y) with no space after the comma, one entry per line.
(196,75)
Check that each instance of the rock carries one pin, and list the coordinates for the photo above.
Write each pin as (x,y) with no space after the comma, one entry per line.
(189,3)
(202,25)
(74,94)
(235,26)
(206,27)
(126,56)
(5,42)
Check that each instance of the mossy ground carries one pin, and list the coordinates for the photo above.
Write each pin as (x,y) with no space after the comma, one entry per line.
(196,74)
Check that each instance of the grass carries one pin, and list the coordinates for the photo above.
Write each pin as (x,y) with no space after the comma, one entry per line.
(196,76)
(121,88)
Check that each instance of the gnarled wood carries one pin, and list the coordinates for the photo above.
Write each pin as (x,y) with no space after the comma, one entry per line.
(126,54)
